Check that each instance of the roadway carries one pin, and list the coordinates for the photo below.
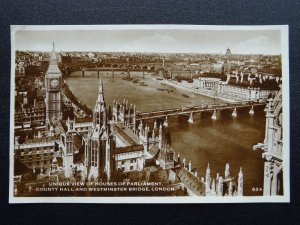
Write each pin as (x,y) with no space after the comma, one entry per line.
(198,109)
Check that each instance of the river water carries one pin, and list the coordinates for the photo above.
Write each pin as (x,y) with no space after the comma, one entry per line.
(205,141)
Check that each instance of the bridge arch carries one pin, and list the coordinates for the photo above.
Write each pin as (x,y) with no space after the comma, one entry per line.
(145,67)
(152,68)
(114,65)
(128,66)
(120,65)
(137,67)
(107,65)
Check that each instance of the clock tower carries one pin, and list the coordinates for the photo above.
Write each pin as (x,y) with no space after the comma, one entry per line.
(53,83)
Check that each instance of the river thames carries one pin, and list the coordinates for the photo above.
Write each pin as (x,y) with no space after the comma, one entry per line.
(205,141)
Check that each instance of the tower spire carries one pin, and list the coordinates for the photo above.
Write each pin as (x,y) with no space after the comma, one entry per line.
(100,93)
(208,179)
(53,59)
(208,169)
(240,183)
(227,171)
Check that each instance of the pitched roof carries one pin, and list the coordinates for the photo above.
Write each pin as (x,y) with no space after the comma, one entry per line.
(132,148)
(126,134)
(153,151)
(191,182)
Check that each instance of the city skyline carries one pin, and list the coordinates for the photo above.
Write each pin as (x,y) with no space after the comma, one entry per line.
(266,42)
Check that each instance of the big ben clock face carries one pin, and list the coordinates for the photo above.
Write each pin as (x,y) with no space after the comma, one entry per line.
(54,83)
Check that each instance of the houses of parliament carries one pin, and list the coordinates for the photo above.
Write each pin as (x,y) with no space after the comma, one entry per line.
(110,146)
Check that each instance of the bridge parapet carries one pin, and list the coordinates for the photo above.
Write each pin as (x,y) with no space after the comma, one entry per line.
(198,109)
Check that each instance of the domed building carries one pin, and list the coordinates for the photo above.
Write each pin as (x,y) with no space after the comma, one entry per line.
(228,52)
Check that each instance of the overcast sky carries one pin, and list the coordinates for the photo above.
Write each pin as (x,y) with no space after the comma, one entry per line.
(153,40)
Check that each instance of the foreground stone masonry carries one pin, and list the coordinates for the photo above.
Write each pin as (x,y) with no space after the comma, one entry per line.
(272,147)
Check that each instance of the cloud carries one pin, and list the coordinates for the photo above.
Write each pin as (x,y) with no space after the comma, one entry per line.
(156,42)
(258,45)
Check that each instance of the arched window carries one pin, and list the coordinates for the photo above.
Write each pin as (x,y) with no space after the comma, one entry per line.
(94,153)
(70,144)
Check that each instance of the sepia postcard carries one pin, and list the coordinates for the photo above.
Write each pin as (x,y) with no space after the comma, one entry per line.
(149,114)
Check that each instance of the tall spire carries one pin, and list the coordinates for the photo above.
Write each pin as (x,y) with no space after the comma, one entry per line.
(220,186)
(208,179)
(160,137)
(241,173)
(153,135)
(155,124)
(240,183)
(53,59)
(100,93)
(100,110)
(208,169)
(227,171)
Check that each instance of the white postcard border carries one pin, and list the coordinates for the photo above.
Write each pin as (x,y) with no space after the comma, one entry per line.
(241,199)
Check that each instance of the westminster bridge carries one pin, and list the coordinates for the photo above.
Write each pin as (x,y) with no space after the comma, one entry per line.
(190,111)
